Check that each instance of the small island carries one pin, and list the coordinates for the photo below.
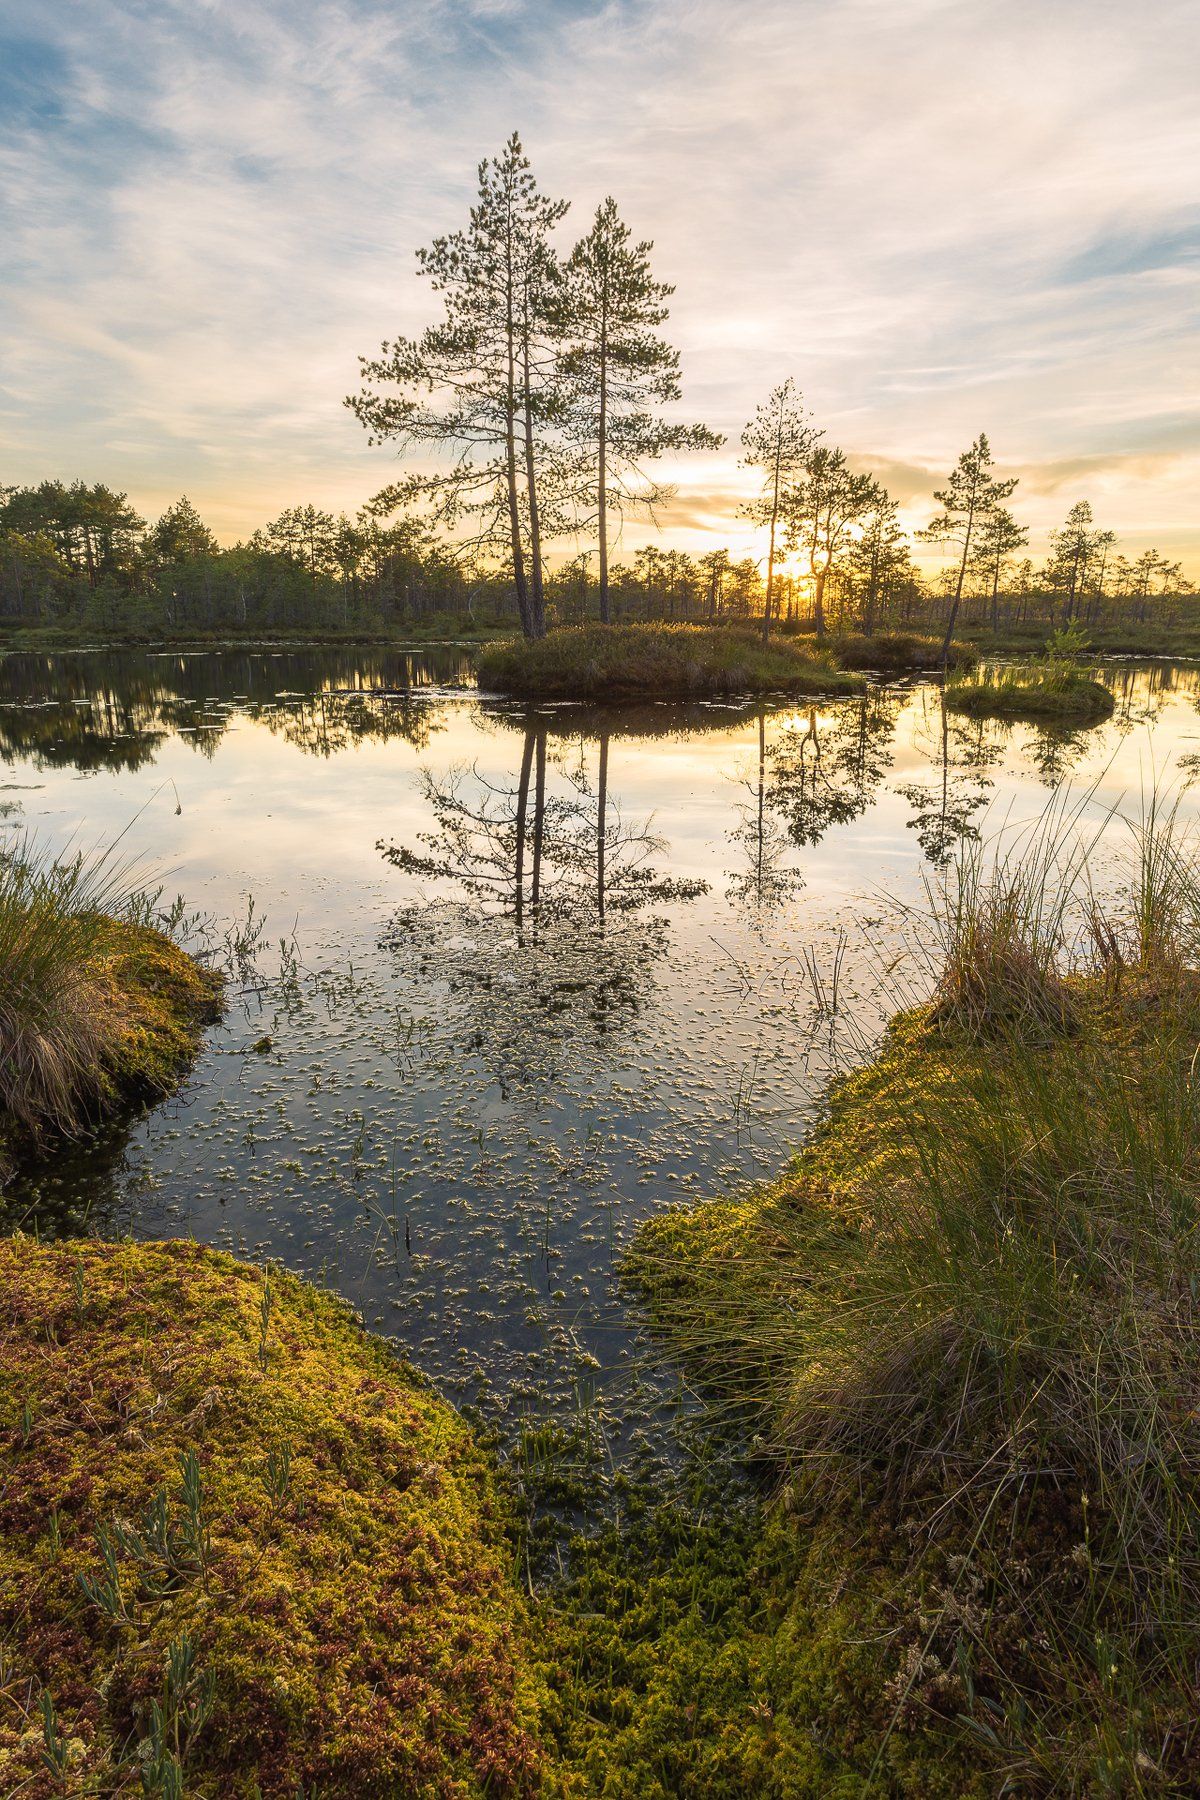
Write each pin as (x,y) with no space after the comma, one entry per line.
(661,662)
(1057,695)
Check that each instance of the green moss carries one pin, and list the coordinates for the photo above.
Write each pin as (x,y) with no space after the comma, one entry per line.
(343,1583)
(622,662)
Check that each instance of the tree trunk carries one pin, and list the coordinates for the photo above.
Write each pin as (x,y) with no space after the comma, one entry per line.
(819,601)
(602,471)
(766,624)
(537,598)
(958,587)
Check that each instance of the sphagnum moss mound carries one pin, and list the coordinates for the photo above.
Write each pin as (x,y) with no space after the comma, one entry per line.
(241,1548)
(623,662)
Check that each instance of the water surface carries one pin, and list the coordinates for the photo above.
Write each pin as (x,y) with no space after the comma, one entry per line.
(525,976)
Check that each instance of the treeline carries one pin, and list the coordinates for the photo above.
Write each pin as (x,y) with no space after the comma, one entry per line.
(543,392)
(82,558)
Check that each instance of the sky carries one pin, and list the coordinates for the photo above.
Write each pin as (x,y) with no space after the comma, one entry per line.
(940,217)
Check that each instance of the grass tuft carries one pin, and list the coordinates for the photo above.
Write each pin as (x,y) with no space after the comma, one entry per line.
(972,1303)
(94,1006)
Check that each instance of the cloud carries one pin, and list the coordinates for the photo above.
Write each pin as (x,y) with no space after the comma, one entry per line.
(940,217)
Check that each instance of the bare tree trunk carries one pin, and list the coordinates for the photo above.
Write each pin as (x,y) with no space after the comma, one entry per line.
(952,620)
(766,624)
(537,597)
(602,491)
(819,601)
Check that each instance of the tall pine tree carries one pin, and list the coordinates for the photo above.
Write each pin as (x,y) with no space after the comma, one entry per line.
(971,495)
(479,385)
(777,440)
(618,372)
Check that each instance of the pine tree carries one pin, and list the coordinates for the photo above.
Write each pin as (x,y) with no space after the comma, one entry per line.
(180,535)
(822,509)
(999,536)
(480,384)
(619,371)
(777,440)
(969,497)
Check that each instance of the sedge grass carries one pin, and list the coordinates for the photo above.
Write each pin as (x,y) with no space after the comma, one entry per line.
(976,1298)
(622,662)
(90,998)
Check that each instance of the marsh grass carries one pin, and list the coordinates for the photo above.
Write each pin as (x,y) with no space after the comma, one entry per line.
(615,662)
(898,652)
(976,1298)
(1053,686)
(55,933)
(91,997)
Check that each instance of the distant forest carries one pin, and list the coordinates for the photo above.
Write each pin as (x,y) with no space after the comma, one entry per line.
(83,558)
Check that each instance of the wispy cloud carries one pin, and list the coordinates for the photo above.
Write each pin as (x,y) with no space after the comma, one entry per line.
(940,215)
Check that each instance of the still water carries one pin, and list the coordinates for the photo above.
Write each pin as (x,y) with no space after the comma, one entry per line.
(502,982)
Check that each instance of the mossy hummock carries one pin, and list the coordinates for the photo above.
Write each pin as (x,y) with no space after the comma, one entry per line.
(238,1537)
(631,662)
(960,1331)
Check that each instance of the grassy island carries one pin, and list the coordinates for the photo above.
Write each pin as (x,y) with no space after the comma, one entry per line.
(97,1008)
(1059,695)
(961,1331)
(897,652)
(242,1551)
(660,662)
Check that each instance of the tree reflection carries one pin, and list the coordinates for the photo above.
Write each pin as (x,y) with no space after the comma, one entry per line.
(944,809)
(765,881)
(551,931)
(827,771)
(114,711)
